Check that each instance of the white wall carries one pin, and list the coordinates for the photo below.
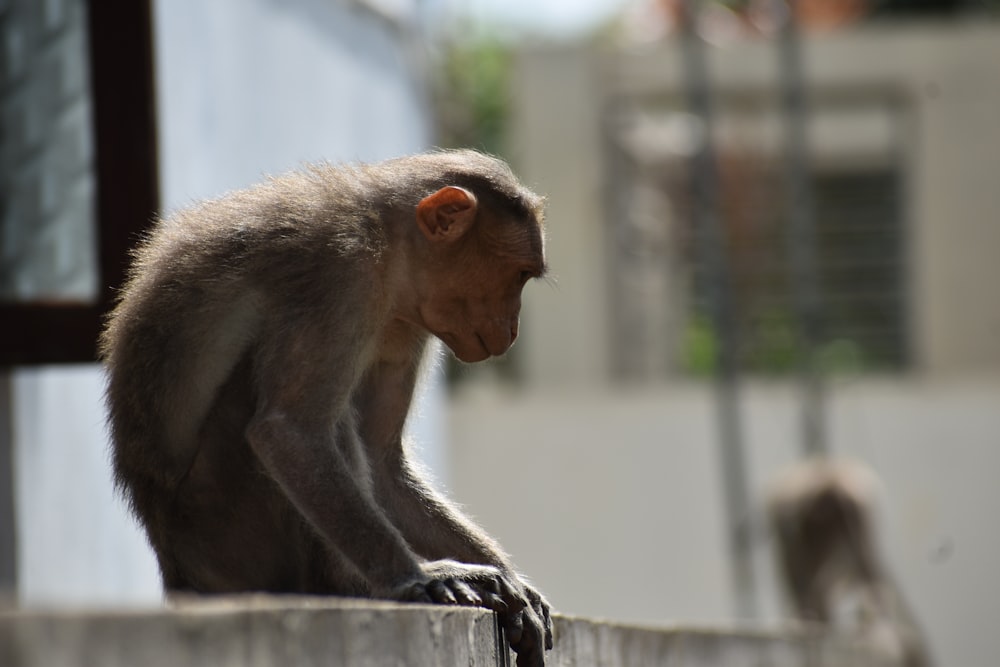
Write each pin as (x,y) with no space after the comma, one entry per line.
(244,87)
(76,545)
(250,87)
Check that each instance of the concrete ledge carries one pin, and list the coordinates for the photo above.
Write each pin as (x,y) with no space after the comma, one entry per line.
(262,631)
(590,643)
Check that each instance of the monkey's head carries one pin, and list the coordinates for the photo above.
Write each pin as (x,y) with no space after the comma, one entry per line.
(478,255)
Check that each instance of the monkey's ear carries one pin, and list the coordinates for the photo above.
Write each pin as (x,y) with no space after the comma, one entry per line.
(447,214)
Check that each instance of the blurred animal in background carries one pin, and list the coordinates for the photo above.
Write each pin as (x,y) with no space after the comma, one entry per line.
(821,514)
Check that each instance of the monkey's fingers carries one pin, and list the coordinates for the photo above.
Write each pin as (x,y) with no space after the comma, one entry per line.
(513,624)
(528,643)
(440,593)
(541,608)
(547,624)
(493,602)
(415,592)
(511,596)
(497,592)
(464,593)
(534,658)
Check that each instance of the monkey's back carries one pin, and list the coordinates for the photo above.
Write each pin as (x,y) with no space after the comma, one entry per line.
(179,349)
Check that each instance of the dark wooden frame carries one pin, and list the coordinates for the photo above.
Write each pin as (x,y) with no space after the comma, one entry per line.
(121,69)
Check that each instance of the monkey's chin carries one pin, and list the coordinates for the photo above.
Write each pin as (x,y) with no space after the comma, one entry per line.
(470,356)
(468,350)
(473,359)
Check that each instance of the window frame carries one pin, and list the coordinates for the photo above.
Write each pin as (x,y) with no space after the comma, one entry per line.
(120,48)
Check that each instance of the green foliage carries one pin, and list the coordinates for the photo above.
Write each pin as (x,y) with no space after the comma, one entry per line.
(841,357)
(699,347)
(471,94)
(772,349)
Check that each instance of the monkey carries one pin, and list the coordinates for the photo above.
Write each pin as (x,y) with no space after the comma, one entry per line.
(260,362)
(821,513)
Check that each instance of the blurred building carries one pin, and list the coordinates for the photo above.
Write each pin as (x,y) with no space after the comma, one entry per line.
(599,468)
(903,144)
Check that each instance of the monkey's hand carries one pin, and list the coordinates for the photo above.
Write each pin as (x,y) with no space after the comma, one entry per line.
(522,610)
(451,582)
(530,630)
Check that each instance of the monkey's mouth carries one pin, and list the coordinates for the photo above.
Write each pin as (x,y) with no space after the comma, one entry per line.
(496,350)
(482,343)
(472,352)
(464,348)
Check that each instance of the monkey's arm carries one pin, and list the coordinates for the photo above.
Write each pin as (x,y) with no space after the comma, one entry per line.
(433,527)
(304,434)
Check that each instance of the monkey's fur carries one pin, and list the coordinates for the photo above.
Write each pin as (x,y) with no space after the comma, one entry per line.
(261,362)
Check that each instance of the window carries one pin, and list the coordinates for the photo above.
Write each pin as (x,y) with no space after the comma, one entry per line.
(77,168)
(661,286)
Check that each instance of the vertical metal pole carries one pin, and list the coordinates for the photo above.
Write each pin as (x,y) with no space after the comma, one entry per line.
(8,514)
(711,238)
(802,234)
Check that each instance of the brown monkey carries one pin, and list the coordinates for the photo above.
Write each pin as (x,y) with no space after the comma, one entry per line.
(821,513)
(261,362)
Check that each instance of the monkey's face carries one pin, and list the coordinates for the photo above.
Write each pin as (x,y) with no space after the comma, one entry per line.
(474,264)
(476,311)
(482,331)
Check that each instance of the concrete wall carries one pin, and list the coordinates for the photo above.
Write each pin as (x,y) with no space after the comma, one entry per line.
(268,632)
